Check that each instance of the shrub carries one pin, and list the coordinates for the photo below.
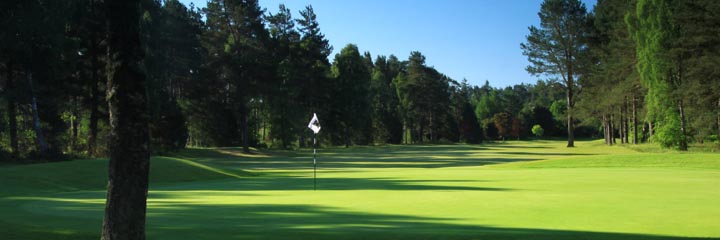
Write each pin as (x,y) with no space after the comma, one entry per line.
(537,130)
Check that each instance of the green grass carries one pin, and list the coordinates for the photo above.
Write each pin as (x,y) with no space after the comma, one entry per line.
(512,190)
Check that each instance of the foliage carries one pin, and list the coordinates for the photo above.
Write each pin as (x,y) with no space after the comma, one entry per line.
(351,88)
(503,123)
(537,130)
(233,74)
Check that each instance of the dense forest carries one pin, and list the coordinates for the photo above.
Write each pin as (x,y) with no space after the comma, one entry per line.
(234,74)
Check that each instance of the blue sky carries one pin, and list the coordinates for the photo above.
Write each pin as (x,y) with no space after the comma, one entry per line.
(473,39)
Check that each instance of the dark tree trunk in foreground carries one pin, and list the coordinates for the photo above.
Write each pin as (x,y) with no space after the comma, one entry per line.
(127,187)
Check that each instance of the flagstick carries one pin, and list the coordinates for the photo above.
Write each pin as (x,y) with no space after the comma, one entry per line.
(314,166)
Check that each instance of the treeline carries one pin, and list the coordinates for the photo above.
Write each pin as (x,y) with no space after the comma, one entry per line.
(237,77)
(642,70)
(232,74)
(653,73)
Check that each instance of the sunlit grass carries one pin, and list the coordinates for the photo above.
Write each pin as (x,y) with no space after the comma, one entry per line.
(511,190)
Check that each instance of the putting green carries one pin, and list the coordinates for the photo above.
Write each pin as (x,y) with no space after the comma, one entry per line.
(513,190)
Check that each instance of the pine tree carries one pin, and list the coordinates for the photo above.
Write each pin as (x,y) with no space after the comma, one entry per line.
(352,83)
(558,47)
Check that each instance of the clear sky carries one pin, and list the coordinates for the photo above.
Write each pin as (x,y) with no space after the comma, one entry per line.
(473,39)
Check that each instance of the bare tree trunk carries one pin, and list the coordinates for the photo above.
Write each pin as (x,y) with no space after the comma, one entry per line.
(570,128)
(621,128)
(74,123)
(301,139)
(683,138)
(404,132)
(94,102)
(244,126)
(347,136)
(606,129)
(127,189)
(634,120)
(431,126)
(264,127)
(12,112)
(42,144)
(422,132)
(612,129)
(626,122)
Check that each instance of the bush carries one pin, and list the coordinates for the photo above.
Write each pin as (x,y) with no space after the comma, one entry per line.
(537,130)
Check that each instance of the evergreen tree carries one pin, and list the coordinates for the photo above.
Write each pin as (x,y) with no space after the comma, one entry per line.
(352,83)
(285,114)
(315,88)
(387,124)
(237,30)
(558,46)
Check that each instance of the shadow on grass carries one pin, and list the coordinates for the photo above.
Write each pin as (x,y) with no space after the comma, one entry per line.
(172,219)
(294,183)
(400,156)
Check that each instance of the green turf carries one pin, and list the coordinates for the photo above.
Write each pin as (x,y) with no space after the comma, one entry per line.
(512,190)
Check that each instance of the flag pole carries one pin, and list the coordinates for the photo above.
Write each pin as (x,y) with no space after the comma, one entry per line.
(314,125)
(314,165)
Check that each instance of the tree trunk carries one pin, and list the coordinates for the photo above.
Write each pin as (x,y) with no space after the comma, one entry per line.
(74,123)
(347,136)
(606,133)
(570,128)
(683,138)
(626,121)
(612,129)
(634,120)
(431,126)
(421,133)
(127,189)
(42,144)
(264,126)
(244,127)
(12,112)
(621,128)
(94,104)
(301,139)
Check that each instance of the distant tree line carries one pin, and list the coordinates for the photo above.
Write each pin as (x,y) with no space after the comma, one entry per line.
(233,74)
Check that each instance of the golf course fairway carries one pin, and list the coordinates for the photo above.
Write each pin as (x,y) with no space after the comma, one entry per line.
(512,190)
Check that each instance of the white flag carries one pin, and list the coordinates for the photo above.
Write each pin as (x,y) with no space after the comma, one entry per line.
(314,124)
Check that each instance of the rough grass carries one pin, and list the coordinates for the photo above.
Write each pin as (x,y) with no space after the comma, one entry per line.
(512,190)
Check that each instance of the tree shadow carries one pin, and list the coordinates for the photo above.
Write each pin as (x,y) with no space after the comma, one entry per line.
(306,182)
(396,156)
(172,219)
